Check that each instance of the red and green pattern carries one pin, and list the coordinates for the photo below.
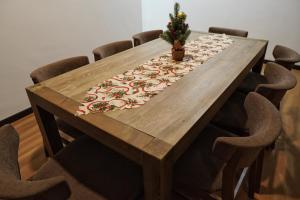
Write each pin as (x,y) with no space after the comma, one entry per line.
(135,87)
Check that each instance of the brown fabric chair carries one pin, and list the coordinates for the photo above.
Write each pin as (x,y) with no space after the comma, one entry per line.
(218,159)
(111,49)
(273,84)
(82,170)
(232,115)
(146,36)
(11,187)
(57,68)
(285,56)
(54,69)
(251,81)
(228,31)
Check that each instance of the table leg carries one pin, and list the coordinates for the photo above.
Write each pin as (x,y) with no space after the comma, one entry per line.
(157,179)
(49,130)
(258,66)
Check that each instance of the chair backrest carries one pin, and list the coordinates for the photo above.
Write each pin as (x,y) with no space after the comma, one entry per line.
(111,49)
(280,80)
(146,36)
(11,187)
(9,145)
(285,56)
(228,31)
(54,69)
(264,126)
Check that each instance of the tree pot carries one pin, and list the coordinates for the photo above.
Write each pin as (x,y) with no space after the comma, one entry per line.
(178,54)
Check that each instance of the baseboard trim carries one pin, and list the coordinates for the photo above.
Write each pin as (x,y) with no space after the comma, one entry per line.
(297,67)
(16,116)
(266,61)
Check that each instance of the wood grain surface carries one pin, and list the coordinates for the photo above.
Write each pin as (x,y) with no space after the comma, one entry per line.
(162,129)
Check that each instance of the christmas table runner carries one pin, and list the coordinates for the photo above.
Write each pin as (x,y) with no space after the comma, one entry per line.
(135,87)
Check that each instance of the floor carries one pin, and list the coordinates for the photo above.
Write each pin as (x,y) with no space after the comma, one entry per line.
(281,176)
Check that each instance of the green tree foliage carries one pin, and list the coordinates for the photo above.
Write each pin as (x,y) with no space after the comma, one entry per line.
(178,30)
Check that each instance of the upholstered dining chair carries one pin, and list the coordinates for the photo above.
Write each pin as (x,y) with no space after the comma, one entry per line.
(111,49)
(286,56)
(54,69)
(146,36)
(233,117)
(273,84)
(228,31)
(82,170)
(218,162)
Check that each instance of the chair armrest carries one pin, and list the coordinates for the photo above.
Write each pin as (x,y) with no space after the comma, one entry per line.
(222,150)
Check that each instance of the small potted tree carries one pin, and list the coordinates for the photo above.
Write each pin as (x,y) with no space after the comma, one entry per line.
(177,33)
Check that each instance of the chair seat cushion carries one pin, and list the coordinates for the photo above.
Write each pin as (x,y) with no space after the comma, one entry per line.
(198,170)
(78,190)
(94,172)
(251,81)
(232,116)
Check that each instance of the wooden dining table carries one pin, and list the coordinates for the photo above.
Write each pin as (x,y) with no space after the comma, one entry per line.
(156,134)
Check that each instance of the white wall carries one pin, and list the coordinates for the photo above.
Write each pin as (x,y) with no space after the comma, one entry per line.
(275,20)
(37,32)
(156,13)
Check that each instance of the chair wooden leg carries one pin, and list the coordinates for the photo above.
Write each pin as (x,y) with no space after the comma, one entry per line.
(272,146)
(46,152)
(252,181)
(258,171)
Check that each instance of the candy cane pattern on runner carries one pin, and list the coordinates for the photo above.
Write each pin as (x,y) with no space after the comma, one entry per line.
(135,87)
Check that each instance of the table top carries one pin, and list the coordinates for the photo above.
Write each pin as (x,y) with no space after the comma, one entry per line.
(158,126)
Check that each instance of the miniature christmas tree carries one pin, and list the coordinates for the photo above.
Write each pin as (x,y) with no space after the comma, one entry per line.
(178,31)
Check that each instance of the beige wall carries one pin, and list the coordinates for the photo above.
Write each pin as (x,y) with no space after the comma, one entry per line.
(36,32)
